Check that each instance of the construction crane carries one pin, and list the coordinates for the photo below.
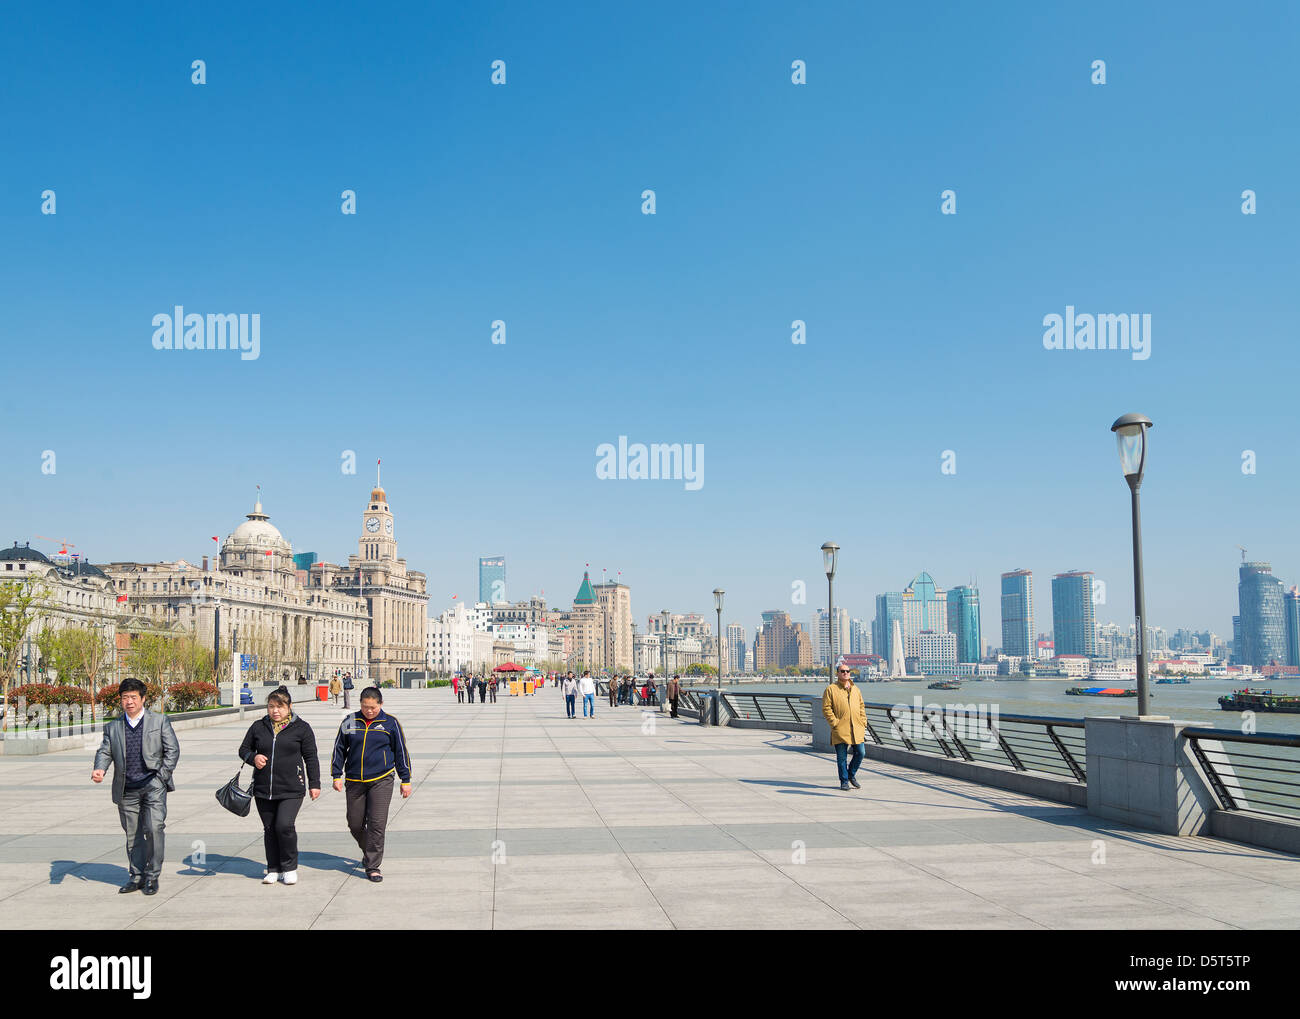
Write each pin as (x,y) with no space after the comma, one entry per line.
(1243,552)
(63,545)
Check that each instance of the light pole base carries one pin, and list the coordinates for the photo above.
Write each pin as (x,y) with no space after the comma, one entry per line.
(1144,718)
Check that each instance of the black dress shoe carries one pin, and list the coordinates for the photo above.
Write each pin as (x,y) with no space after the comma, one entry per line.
(374,875)
(134,885)
(151,886)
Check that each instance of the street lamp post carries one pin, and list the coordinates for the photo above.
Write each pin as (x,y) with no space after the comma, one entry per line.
(664,617)
(830,551)
(1131,434)
(717,602)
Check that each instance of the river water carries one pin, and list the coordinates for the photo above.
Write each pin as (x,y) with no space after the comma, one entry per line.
(1197,701)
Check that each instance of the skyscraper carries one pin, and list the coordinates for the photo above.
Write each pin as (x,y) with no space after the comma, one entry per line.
(925,607)
(820,635)
(859,637)
(781,643)
(1074,626)
(1018,613)
(1291,613)
(1259,598)
(964,621)
(735,647)
(889,610)
(492,579)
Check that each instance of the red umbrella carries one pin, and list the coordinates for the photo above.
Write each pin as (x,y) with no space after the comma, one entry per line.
(509,667)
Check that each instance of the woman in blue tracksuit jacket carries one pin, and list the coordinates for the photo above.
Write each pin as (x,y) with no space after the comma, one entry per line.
(369,747)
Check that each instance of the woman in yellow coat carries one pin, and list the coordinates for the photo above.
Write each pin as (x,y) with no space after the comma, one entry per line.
(847,714)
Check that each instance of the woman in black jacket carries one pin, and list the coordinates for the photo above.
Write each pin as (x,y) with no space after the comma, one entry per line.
(280,746)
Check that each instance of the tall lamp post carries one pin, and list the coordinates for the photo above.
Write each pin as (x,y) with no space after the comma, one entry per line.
(717,603)
(1131,433)
(665,616)
(830,551)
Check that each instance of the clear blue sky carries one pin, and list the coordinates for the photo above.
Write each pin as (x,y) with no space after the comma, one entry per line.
(775,202)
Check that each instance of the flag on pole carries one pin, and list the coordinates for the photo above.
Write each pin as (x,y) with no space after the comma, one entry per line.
(121,597)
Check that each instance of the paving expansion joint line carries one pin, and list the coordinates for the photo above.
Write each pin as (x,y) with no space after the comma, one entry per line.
(572,774)
(496,832)
(726,833)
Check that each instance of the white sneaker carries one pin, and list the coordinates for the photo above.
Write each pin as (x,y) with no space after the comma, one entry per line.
(272,876)
(291,877)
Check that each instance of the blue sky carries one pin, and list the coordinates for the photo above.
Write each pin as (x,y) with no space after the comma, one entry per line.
(775,202)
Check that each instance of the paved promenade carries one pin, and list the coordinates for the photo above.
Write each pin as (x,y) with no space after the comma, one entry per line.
(522,818)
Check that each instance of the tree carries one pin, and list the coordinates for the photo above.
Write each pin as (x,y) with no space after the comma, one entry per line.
(153,656)
(55,647)
(701,669)
(89,651)
(20,602)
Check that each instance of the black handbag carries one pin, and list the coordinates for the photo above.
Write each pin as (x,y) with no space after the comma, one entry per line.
(236,800)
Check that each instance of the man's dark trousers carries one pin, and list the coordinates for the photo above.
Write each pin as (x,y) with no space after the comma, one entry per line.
(368,817)
(848,768)
(143,813)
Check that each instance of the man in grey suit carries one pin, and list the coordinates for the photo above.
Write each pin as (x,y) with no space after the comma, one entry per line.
(142,747)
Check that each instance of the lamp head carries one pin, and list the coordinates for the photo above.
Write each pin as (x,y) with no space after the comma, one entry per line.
(830,551)
(1131,435)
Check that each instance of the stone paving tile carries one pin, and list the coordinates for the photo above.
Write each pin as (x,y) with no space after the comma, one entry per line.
(598,824)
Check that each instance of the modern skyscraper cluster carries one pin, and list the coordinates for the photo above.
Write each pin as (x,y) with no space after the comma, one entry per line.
(924,608)
(1018,613)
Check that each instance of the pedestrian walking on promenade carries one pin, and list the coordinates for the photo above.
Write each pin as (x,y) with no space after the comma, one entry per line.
(588,687)
(142,749)
(457,684)
(347,691)
(482,690)
(281,747)
(336,689)
(570,688)
(842,705)
(492,689)
(613,690)
(674,691)
(368,749)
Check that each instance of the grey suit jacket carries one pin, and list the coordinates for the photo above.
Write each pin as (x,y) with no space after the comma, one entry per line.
(161,751)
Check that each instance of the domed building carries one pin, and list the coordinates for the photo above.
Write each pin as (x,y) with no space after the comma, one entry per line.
(254,599)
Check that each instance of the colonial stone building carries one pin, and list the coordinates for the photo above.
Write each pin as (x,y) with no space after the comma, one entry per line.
(396,598)
(263,609)
(598,628)
(76,594)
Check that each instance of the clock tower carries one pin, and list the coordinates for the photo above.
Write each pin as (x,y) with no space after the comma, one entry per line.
(377,541)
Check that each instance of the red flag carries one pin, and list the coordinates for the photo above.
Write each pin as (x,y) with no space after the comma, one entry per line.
(268,552)
(214,537)
(121,597)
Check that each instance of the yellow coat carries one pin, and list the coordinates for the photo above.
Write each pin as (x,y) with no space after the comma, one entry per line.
(846,713)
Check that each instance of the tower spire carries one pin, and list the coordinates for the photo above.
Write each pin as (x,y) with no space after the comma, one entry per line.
(377,483)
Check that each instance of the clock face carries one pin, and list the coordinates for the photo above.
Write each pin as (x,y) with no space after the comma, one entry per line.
(372,524)
(388,526)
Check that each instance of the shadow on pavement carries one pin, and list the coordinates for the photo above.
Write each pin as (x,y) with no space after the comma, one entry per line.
(107,873)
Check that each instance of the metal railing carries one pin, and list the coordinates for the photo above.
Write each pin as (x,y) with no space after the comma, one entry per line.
(1031,743)
(777,708)
(1245,778)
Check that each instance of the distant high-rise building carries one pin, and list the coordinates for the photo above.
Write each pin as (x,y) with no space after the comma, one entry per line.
(897,667)
(735,647)
(820,634)
(492,579)
(782,643)
(889,610)
(1074,626)
(859,637)
(964,621)
(1291,614)
(1263,632)
(925,607)
(1018,613)
(1236,640)
(935,653)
